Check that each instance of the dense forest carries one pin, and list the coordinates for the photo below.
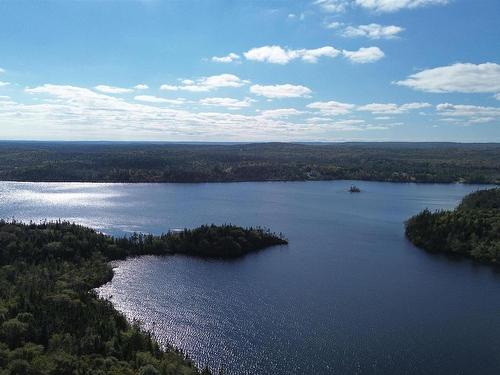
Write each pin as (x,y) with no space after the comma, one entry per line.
(472,229)
(51,321)
(153,162)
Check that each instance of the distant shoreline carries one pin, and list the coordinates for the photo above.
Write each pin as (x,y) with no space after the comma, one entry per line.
(244,181)
(249,162)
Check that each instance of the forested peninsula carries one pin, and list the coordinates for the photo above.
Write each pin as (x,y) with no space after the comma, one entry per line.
(472,229)
(51,321)
(168,162)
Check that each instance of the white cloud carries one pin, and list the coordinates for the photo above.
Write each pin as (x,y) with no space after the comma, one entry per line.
(230,103)
(334,25)
(395,5)
(463,78)
(333,6)
(350,122)
(312,55)
(357,125)
(338,6)
(63,111)
(364,55)
(2,70)
(391,108)
(350,125)
(205,84)
(279,55)
(497,96)
(226,59)
(471,114)
(2,83)
(280,91)
(112,90)
(141,86)
(156,99)
(222,80)
(271,54)
(332,108)
(76,110)
(280,113)
(169,87)
(372,31)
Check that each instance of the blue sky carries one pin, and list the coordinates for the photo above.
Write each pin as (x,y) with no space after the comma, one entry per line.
(315,70)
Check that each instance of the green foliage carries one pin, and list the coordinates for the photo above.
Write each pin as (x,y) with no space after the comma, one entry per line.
(135,162)
(472,229)
(52,323)
(224,241)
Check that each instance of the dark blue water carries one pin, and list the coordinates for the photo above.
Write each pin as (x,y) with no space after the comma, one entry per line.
(348,295)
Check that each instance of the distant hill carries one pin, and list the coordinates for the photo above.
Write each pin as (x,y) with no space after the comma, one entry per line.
(198,162)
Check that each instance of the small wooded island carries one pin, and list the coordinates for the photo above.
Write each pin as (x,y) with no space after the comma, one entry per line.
(472,229)
(51,321)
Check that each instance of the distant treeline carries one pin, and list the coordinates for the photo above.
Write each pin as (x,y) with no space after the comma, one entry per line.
(136,162)
(472,229)
(51,321)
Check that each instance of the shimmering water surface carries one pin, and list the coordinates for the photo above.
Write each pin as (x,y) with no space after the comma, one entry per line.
(348,295)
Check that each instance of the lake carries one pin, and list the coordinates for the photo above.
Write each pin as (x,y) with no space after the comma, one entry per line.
(348,295)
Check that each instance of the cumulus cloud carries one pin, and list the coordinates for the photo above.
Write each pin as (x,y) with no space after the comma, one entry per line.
(470,114)
(230,103)
(2,70)
(2,83)
(112,89)
(349,125)
(334,25)
(372,31)
(141,86)
(280,113)
(463,78)
(278,55)
(332,6)
(364,55)
(69,92)
(156,99)
(395,5)
(381,6)
(205,84)
(226,59)
(280,91)
(332,108)
(63,110)
(70,108)
(391,108)
(169,87)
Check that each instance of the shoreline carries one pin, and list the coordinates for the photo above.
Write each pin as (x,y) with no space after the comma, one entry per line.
(243,181)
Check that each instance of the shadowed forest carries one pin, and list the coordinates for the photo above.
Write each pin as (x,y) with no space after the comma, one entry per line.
(136,162)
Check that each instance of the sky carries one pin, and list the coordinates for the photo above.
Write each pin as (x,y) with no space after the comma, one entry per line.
(304,70)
